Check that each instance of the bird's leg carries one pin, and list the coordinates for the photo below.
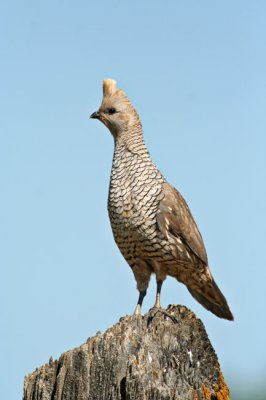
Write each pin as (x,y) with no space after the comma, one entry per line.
(142,273)
(139,304)
(158,294)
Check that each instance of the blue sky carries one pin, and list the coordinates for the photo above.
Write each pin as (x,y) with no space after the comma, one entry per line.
(195,72)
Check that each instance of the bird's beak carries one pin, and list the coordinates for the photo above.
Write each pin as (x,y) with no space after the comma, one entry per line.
(95,115)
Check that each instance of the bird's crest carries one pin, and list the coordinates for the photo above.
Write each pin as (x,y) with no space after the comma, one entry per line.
(110,89)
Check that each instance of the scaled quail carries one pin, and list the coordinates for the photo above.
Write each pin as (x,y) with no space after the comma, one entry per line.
(151,222)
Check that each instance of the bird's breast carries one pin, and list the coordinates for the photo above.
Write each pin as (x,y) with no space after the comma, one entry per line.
(134,195)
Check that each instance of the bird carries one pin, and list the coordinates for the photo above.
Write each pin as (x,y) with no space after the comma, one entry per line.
(151,222)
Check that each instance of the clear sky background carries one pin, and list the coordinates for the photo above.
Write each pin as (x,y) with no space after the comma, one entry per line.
(196,73)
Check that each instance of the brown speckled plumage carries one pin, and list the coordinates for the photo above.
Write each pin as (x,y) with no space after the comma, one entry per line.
(151,222)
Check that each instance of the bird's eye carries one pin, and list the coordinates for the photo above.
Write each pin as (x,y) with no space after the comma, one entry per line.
(111,110)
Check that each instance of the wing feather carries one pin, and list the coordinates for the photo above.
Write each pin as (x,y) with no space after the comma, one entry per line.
(175,217)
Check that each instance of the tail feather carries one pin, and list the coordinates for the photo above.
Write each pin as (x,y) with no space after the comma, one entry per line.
(214,301)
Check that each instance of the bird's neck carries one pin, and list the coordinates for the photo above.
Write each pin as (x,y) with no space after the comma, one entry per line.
(131,154)
(131,140)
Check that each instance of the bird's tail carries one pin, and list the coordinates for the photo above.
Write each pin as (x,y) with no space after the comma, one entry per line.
(214,301)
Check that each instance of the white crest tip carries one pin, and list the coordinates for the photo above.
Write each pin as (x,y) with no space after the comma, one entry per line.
(109,87)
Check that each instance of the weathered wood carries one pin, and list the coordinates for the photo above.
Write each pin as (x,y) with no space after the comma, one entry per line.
(164,355)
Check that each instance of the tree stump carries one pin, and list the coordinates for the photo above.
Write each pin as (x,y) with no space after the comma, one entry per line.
(164,355)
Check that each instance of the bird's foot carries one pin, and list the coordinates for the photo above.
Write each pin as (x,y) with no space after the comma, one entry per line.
(137,310)
(157,301)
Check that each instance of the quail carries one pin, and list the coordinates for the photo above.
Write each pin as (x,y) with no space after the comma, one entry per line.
(151,222)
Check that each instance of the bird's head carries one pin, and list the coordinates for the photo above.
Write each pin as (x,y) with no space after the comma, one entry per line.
(116,112)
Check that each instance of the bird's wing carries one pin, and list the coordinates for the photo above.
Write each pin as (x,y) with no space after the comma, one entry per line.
(175,218)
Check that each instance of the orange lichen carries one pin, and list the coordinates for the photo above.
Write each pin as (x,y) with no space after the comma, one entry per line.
(206,393)
(195,396)
(221,391)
